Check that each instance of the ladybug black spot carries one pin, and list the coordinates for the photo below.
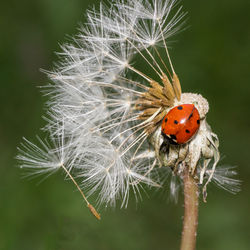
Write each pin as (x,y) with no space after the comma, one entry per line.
(187,131)
(180,107)
(166,119)
(175,122)
(198,121)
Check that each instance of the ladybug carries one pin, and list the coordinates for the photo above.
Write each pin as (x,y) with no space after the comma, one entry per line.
(180,124)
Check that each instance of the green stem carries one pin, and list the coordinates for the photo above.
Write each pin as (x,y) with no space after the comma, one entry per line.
(190,221)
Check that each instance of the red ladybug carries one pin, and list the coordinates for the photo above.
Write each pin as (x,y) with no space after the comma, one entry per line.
(180,124)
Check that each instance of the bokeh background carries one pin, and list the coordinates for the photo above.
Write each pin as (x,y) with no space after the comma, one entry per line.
(211,57)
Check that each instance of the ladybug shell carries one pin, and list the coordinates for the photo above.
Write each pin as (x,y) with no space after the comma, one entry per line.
(181,123)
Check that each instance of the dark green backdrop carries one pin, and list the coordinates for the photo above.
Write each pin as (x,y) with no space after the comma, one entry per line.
(211,57)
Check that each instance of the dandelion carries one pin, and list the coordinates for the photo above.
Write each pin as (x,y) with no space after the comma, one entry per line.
(105,115)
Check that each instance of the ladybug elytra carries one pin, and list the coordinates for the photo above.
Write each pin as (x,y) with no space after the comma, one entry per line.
(180,124)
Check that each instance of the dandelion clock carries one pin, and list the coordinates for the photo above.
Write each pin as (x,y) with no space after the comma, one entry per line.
(112,127)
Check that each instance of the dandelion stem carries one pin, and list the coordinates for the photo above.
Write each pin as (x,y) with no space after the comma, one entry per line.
(190,221)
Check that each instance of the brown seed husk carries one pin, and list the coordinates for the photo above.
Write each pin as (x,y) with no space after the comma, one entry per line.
(168,88)
(155,85)
(150,111)
(94,212)
(177,86)
(156,93)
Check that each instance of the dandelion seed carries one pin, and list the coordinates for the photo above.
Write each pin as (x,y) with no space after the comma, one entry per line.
(105,115)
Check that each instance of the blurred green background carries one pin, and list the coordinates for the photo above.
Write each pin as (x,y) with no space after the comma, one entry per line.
(211,57)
